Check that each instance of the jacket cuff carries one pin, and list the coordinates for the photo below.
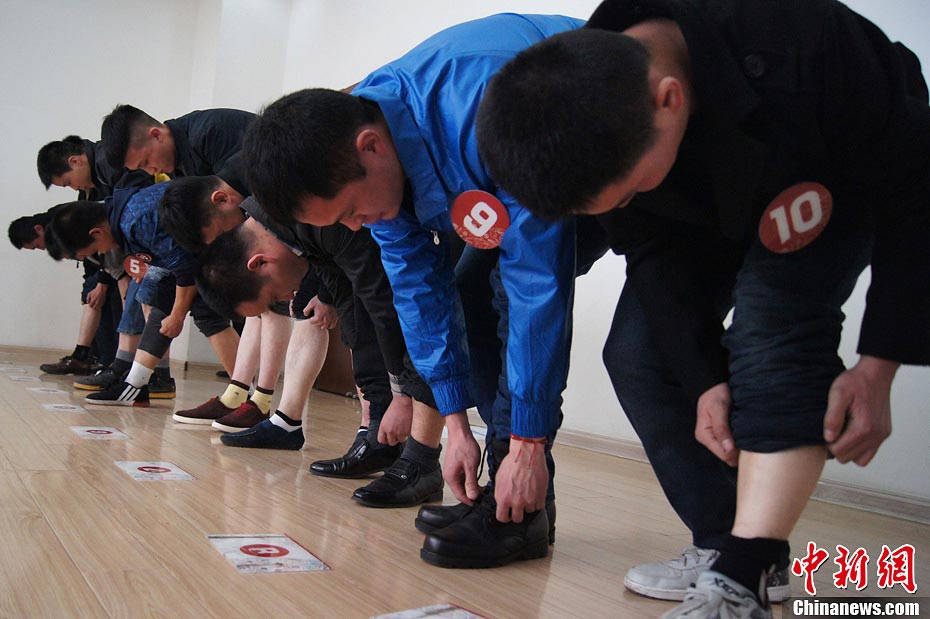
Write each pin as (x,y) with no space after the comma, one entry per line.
(532,419)
(452,396)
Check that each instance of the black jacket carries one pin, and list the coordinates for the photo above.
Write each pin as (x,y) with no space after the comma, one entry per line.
(786,92)
(206,139)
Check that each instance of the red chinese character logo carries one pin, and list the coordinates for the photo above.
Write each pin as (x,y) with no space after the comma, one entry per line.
(851,568)
(897,567)
(808,565)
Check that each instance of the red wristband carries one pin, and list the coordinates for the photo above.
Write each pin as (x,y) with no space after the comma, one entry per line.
(538,441)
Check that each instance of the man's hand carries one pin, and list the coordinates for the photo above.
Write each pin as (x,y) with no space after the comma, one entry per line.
(324,316)
(460,469)
(97,296)
(858,415)
(171,325)
(395,425)
(522,480)
(713,423)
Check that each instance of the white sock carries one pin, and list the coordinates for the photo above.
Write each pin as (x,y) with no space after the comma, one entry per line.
(139,375)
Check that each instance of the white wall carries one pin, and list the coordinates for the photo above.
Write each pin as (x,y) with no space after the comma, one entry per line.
(245,53)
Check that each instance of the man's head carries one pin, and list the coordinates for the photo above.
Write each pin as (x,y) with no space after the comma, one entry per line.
(80,230)
(319,157)
(579,123)
(64,163)
(29,232)
(246,270)
(135,140)
(195,210)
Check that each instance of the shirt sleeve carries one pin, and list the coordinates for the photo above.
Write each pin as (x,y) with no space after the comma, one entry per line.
(418,264)
(537,269)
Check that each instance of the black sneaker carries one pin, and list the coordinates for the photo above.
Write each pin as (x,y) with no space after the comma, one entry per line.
(479,540)
(265,435)
(161,387)
(433,517)
(360,461)
(104,379)
(402,485)
(121,394)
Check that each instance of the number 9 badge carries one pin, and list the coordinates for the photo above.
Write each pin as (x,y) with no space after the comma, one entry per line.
(480,219)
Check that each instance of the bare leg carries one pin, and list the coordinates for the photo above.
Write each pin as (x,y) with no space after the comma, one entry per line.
(773,488)
(276,332)
(247,354)
(366,407)
(90,321)
(427,425)
(305,356)
(225,343)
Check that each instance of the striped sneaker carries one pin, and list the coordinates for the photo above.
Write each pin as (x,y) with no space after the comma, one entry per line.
(121,394)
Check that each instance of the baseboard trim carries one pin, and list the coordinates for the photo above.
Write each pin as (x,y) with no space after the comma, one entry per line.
(901,506)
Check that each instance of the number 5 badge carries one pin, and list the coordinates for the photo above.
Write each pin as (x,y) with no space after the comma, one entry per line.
(480,219)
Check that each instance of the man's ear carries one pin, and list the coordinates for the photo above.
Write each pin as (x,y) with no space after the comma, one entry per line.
(256,262)
(155,133)
(369,140)
(669,97)
(96,231)
(74,161)
(219,197)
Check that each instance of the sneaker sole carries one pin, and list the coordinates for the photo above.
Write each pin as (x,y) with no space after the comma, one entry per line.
(776,595)
(117,403)
(536,550)
(89,387)
(432,498)
(167,395)
(225,428)
(194,421)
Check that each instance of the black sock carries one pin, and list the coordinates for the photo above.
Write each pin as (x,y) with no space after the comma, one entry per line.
(121,366)
(426,457)
(373,426)
(290,422)
(747,561)
(81,353)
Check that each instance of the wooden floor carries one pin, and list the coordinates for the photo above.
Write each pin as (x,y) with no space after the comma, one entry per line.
(83,539)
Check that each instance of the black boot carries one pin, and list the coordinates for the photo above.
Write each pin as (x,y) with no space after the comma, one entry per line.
(402,485)
(360,461)
(479,540)
(433,517)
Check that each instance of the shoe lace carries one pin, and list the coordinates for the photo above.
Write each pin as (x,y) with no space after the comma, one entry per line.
(692,555)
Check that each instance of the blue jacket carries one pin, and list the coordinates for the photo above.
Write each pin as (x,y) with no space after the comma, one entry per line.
(133,216)
(429,98)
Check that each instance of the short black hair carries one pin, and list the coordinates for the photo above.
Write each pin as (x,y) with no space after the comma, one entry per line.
(71,225)
(52,160)
(565,118)
(122,128)
(223,277)
(185,208)
(303,145)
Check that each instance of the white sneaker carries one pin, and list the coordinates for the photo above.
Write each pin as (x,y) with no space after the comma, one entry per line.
(716,596)
(671,580)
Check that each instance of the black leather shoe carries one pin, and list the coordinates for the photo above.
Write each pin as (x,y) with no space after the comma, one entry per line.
(479,540)
(402,485)
(360,461)
(433,517)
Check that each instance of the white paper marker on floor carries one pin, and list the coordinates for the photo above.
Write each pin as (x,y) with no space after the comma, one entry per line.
(266,554)
(99,433)
(153,471)
(58,407)
(439,611)
(46,390)
(21,378)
